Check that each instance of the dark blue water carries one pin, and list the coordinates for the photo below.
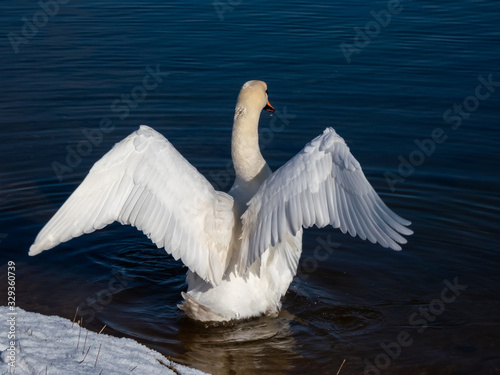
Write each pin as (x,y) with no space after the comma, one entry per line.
(410,95)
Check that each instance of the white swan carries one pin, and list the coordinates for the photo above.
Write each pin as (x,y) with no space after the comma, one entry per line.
(242,247)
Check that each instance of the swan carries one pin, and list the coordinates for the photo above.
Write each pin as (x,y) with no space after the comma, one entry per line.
(242,247)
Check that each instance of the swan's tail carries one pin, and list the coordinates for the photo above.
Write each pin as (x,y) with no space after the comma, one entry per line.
(196,311)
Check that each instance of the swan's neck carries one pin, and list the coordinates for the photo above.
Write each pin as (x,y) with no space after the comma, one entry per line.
(247,159)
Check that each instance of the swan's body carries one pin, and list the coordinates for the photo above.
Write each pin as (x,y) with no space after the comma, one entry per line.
(242,247)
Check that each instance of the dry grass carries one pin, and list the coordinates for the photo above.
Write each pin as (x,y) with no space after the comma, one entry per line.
(95,364)
(338,372)
(76,313)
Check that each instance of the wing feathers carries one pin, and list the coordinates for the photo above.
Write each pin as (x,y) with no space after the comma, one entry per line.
(143,181)
(323,184)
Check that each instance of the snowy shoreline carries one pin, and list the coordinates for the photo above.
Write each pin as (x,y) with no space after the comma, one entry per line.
(53,345)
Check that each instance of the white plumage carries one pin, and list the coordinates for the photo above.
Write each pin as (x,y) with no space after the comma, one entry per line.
(242,247)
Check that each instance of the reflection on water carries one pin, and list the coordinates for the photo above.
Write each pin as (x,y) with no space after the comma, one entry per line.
(263,345)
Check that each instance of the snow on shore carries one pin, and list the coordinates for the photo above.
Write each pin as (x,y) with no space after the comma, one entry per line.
(54,346)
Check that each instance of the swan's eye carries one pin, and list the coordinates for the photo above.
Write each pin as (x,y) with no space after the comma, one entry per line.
(267,92)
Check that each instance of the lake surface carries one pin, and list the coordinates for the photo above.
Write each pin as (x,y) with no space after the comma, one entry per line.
(413,87)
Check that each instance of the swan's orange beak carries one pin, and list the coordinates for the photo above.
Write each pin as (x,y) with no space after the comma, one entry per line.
(269,107)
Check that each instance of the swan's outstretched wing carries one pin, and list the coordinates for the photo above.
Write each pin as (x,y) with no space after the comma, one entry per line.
(145,182)
(323,184)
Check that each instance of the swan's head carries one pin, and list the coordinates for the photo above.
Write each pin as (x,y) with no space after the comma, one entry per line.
(253,97)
